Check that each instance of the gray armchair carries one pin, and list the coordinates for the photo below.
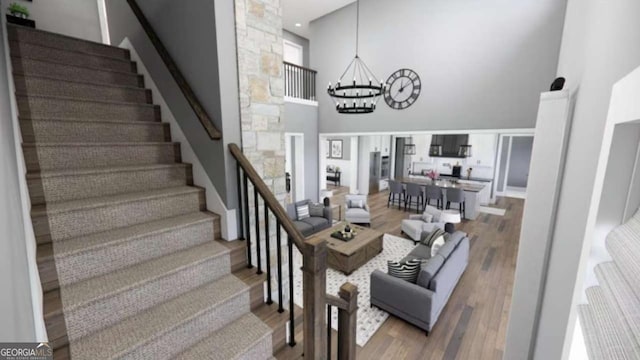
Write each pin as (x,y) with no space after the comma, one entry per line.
(357,215)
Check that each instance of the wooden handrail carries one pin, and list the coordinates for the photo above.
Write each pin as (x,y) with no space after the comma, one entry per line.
(184,86)
(300,67)
(269,198)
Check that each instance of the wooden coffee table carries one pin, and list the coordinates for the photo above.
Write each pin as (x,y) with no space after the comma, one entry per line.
(347,256)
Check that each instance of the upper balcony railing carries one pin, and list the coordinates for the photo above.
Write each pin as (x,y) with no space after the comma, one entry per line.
(299,82)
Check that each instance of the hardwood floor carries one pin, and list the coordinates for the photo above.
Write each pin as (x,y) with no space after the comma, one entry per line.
(473,323)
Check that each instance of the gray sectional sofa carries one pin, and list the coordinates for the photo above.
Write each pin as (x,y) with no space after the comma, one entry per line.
(421,303)
(313,224)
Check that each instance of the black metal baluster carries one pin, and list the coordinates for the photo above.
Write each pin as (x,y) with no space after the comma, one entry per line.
(292,339)
(247,228)
(279,260)
(329,332)
(268,251)
(257,218)
(239,177)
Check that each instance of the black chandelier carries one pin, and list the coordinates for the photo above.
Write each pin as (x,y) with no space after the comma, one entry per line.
(360,95)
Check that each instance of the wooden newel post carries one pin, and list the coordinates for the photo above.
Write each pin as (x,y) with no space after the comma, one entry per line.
(314,269)
(347,321)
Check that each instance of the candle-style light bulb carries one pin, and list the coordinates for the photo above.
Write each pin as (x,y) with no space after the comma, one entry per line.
(369,81)
(354,81)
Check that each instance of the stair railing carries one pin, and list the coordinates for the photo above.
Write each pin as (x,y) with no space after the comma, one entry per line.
(316,331)
(171,65)
(299,82)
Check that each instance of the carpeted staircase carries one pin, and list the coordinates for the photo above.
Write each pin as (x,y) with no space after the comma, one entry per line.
(128,255)
(611,319)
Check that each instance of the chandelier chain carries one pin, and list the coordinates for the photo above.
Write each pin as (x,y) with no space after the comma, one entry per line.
(357,24)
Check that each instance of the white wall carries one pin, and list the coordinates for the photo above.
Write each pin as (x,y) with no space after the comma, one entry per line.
(601,44)
(482,64)
(76,18)
(20,311)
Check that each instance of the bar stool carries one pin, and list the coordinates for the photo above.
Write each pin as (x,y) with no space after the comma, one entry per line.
(433,192)
(456,196)
(414,192)
(396,188)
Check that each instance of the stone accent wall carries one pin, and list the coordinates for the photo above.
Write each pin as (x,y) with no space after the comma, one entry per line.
(259,40)
(261,86)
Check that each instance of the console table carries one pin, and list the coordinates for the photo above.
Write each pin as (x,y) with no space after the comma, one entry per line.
(334,176)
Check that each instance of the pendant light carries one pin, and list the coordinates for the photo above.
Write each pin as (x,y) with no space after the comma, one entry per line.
(357,90)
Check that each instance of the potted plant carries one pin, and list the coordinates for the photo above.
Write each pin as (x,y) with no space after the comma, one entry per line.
(19,15)
(18,10)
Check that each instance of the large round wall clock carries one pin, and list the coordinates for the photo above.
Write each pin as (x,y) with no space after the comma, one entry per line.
(403,89)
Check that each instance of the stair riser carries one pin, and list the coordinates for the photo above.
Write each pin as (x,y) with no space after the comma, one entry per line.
(47,131)
(62,71)
(51,87)
(70,58)
(107,311)
(61,42)
(42,107)
(258,351)
(65,225)
(185,335)
(87,156)
(65,188)
(115,257)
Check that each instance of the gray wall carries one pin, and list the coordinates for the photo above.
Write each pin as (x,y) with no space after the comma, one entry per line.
(194,34)
(297,39)
(482,64)
(346,146)
(15,298)
(77,18)
(300,118)
(519,161)
(600,45)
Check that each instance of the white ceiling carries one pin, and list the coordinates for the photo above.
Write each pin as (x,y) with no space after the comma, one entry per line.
(305,11)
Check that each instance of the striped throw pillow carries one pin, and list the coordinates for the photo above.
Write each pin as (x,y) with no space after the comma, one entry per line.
(407,271)
(302,211)
(431,237)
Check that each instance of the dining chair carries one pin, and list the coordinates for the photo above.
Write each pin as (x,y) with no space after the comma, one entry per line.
(396,189)
(414,193)
(433,192)
(456,195)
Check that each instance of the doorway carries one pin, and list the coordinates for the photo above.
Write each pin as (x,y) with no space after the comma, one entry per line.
(294,165)
(514,159)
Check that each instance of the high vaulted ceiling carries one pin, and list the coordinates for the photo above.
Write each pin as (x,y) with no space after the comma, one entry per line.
(304,11)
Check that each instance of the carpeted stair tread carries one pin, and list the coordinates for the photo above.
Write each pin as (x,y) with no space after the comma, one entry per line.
(33,106)
(52,69)
(590,331)
(623,244)
(614,341)
(41,52)
(91,242)
(71,131)
(47,86)
(83,204)
(110,251)
(121,338)
(87,120)
(622,300)
(50,156)
(245,338)
(42,37)
(92,171)
(90,290)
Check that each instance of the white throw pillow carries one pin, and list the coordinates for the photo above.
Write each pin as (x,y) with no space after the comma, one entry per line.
(356,204)
(303,211)
(427,217)
(437,243)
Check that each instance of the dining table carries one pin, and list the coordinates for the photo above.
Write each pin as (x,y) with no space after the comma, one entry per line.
(471,191)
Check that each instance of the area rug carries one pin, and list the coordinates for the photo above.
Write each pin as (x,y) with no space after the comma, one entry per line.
(369,319)
(492,210)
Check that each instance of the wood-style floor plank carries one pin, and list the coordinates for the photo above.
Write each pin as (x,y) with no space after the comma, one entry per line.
(473,323)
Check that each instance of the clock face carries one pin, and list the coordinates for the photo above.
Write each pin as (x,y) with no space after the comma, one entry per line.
(403,89)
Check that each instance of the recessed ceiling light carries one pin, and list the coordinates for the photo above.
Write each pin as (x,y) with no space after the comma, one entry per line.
(298,25)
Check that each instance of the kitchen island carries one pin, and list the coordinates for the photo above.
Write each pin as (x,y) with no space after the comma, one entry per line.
(471,192)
